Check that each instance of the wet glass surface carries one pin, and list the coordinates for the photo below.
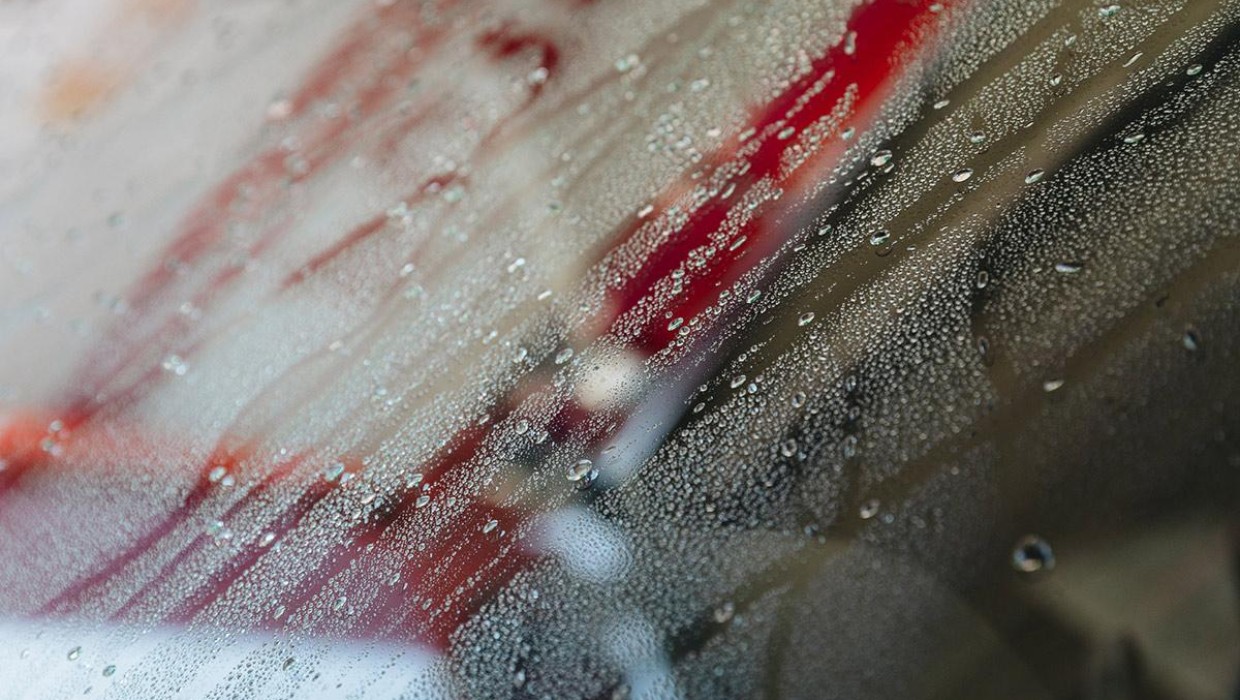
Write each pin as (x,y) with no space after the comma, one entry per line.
(601,349)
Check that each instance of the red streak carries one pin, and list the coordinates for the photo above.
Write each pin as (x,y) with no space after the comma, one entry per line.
(886,28)
(506,42)
(471,561)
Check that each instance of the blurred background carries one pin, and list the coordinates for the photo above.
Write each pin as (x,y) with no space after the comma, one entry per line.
(586,348)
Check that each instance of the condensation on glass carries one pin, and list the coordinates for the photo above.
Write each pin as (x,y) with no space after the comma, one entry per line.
(602,349)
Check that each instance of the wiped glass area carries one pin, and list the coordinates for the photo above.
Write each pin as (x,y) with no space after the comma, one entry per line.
(586,348)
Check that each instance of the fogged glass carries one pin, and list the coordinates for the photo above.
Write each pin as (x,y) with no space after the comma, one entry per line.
(603,349)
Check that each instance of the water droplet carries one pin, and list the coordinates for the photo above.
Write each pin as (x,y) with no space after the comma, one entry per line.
(1192,341)
(333,471)
(806,318)
(1109,11)
(627,63)
(538,76)
(175,364)
(788,448)
(74,653)
(1052,385)
(675,323)
(983,279)
(266,539)
(422,501)
(724,612)
(1032,554)
(1034,176)
(848,446)
(51,447)
(217,530)
(109,670)
(564,356)
(579,469)
(798,399)
(1137,137)
(977,137)
(279,110)
(869,509)
(962,175)
(1193,69)
(217,473)
(1069,268)
(490,526)
(881,158)
(737,381)
(879,236)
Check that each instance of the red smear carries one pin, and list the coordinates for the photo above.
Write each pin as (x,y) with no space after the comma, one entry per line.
(258,186)
(886,29)
(362,233)
(474,562)
(507,42)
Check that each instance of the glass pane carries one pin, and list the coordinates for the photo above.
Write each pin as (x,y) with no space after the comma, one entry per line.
(601,349)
